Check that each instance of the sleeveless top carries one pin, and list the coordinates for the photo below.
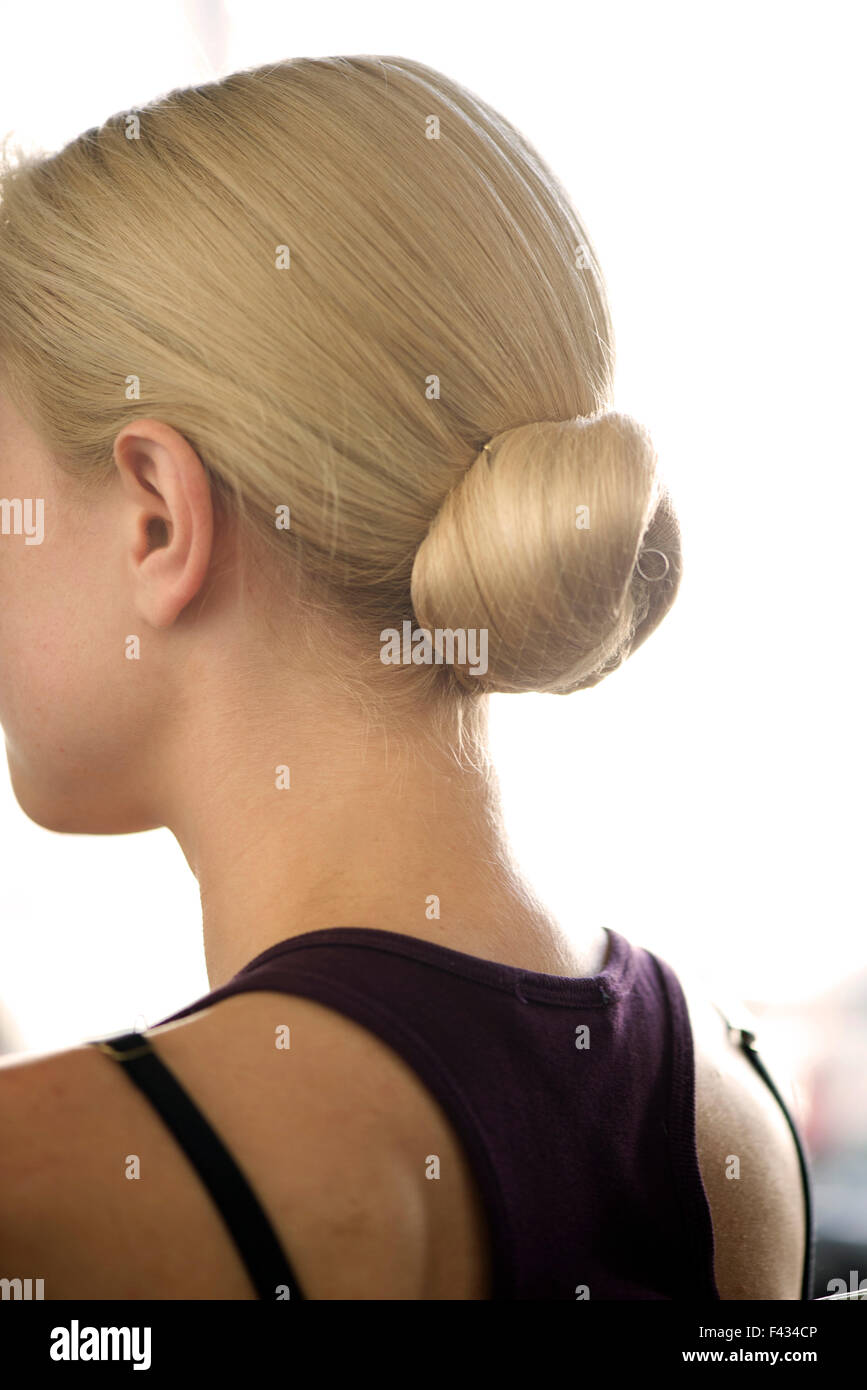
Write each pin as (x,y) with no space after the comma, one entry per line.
(573,1099)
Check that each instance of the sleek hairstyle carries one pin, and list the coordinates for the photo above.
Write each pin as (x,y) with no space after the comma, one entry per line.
(339,279)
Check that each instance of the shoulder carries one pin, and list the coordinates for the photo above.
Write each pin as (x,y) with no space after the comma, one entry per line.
(61,1116)
(45,1099)
(359,1159)
(312,1127)
(749,1163)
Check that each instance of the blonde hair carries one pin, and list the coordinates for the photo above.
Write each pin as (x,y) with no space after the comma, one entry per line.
(437,293)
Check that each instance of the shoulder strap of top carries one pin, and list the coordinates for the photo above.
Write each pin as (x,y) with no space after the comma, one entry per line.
(257,1244)
(746,1040)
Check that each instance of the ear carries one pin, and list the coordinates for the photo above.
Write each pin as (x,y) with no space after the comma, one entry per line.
(169,517)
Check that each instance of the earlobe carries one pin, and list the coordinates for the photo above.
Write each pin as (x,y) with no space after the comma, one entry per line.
(168,518)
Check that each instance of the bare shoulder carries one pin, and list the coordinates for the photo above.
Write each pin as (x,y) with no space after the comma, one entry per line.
(361,1218)
(749,1165)
(93,1188)
(332,1132)
(44,1099)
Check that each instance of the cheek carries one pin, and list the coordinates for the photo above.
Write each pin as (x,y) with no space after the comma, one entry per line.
(68,695)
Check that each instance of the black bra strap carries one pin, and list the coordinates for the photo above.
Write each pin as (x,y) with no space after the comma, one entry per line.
(746,1040)
(258,1246)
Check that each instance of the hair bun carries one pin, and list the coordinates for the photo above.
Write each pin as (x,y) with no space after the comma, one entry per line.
(561,543)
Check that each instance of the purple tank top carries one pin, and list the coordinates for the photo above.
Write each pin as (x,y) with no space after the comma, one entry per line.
(574,1100)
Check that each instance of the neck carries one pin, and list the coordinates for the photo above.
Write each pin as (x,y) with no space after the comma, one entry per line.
(371,831)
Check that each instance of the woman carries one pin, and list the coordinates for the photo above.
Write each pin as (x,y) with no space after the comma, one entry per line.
(311,368)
